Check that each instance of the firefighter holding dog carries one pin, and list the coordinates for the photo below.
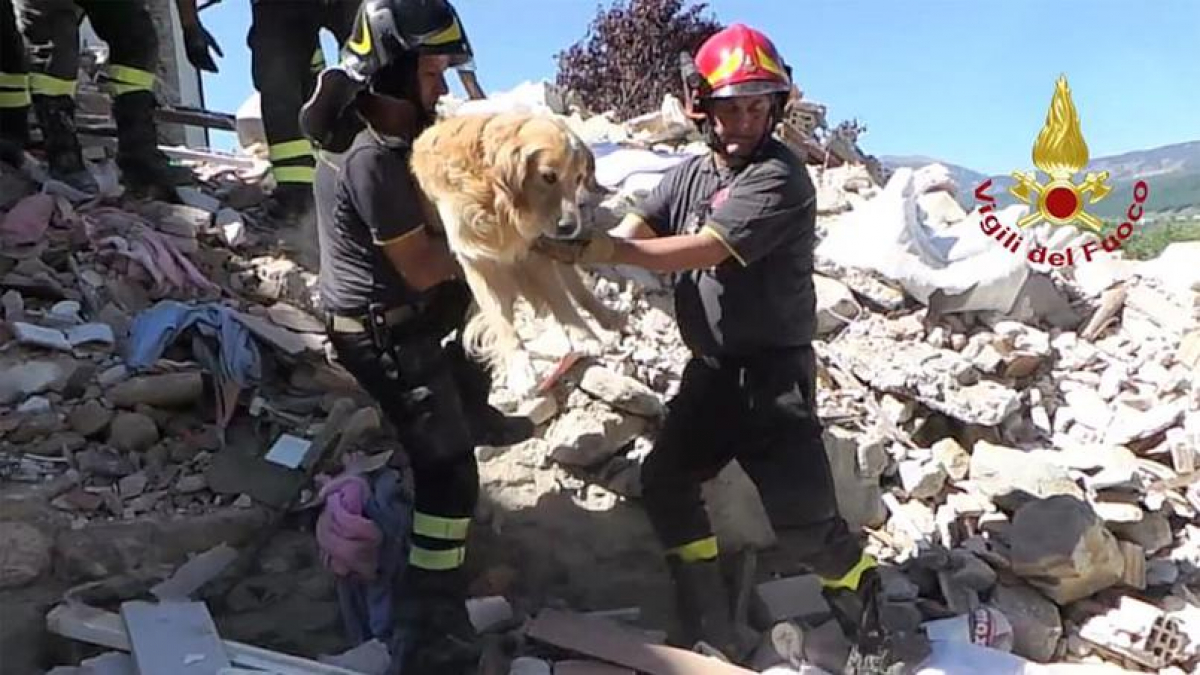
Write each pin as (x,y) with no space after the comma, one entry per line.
(391,293)
(736,228)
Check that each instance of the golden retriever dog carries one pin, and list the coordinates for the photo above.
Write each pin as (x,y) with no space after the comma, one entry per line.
(498,182)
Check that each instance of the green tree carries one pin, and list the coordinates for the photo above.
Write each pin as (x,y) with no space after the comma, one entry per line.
(629,58)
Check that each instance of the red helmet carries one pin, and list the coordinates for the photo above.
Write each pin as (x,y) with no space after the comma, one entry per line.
(741,61)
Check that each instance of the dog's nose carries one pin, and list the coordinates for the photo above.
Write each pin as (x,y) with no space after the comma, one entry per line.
(568,226)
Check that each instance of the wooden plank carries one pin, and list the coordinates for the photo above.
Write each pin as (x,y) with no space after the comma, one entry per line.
(608,642)
(96,626)
(173,637)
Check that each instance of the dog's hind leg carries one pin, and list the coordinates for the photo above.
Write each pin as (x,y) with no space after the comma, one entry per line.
(492,331)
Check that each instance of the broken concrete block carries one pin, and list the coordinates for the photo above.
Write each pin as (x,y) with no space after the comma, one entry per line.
(539,409)
(1139,631)
(735,510)
(488,613)
(797,597)
(90,419)
(171,390)
(968,570)
(953,457)
(585,437)
(1089,408)
(859,498)
(32,377)
(1011,477)
(932,376)
(1188,353)
(33,335)
(836,305)
(1133,425)
(1161,572)
(24,554)
(623,393)
(1037,626)
(132,432)
(1134,574)
(921,479)
(1152,532)
(1070,560)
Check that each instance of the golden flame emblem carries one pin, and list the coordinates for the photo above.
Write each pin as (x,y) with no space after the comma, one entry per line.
(1060,152)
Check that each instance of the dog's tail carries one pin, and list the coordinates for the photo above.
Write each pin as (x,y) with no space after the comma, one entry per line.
(490,339)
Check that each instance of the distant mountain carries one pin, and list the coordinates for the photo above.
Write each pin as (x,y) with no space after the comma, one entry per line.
(966,178)
(1172,172)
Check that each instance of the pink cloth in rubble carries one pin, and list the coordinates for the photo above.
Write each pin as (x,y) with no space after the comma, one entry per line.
(130,236)
(349,541)
(27,221)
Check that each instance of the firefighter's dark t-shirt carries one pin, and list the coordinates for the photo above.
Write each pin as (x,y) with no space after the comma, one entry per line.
(365,199)
(761,297)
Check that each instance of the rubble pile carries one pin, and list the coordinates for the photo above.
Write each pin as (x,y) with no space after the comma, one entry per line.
(1039,462)
(1030,472)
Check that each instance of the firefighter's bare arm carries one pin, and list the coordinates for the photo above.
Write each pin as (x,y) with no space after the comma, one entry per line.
(422,260)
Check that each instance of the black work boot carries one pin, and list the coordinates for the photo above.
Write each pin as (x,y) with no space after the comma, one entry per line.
(287,206)
(489,426)
(145,170)
(60,138)
(882,642)
(14,135)
(434,634)
(703,606)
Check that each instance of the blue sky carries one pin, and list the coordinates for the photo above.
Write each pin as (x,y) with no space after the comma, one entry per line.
(962,80)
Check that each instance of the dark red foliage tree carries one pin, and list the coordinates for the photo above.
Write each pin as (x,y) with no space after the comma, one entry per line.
(629,58)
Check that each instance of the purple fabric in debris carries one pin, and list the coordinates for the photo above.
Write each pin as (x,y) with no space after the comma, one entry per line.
(368,607)
(27,221)
(157,327)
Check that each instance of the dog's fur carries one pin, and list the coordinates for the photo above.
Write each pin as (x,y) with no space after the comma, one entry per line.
(498,182)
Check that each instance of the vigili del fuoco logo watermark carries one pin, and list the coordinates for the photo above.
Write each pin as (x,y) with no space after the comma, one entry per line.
(1060,152)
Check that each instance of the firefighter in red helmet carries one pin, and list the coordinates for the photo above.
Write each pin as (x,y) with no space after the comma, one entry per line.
(736,227)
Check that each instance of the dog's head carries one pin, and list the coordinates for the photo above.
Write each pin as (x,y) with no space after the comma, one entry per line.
(546,177)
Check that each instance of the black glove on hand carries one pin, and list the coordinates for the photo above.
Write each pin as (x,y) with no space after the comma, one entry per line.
(197,42)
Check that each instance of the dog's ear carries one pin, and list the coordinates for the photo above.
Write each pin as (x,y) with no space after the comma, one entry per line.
(510,169)
(591,184)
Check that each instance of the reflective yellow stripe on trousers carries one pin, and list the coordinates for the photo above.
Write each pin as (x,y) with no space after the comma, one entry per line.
(437,561)
(14,99)
(125,79)
(46,85)
(294,174)
(290,150)
(437,527)
(701,549)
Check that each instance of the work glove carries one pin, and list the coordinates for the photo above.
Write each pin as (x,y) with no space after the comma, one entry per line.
(597,249)
(197,42)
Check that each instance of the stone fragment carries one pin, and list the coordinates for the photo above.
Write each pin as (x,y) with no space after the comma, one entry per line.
(1061,547)
(836,305)
(24,554)
(132,432)
(623,393)
(921,479)
(1010,476)
(1152,532)
(90,418)
(171,390)
(1037,626)
(955,460)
